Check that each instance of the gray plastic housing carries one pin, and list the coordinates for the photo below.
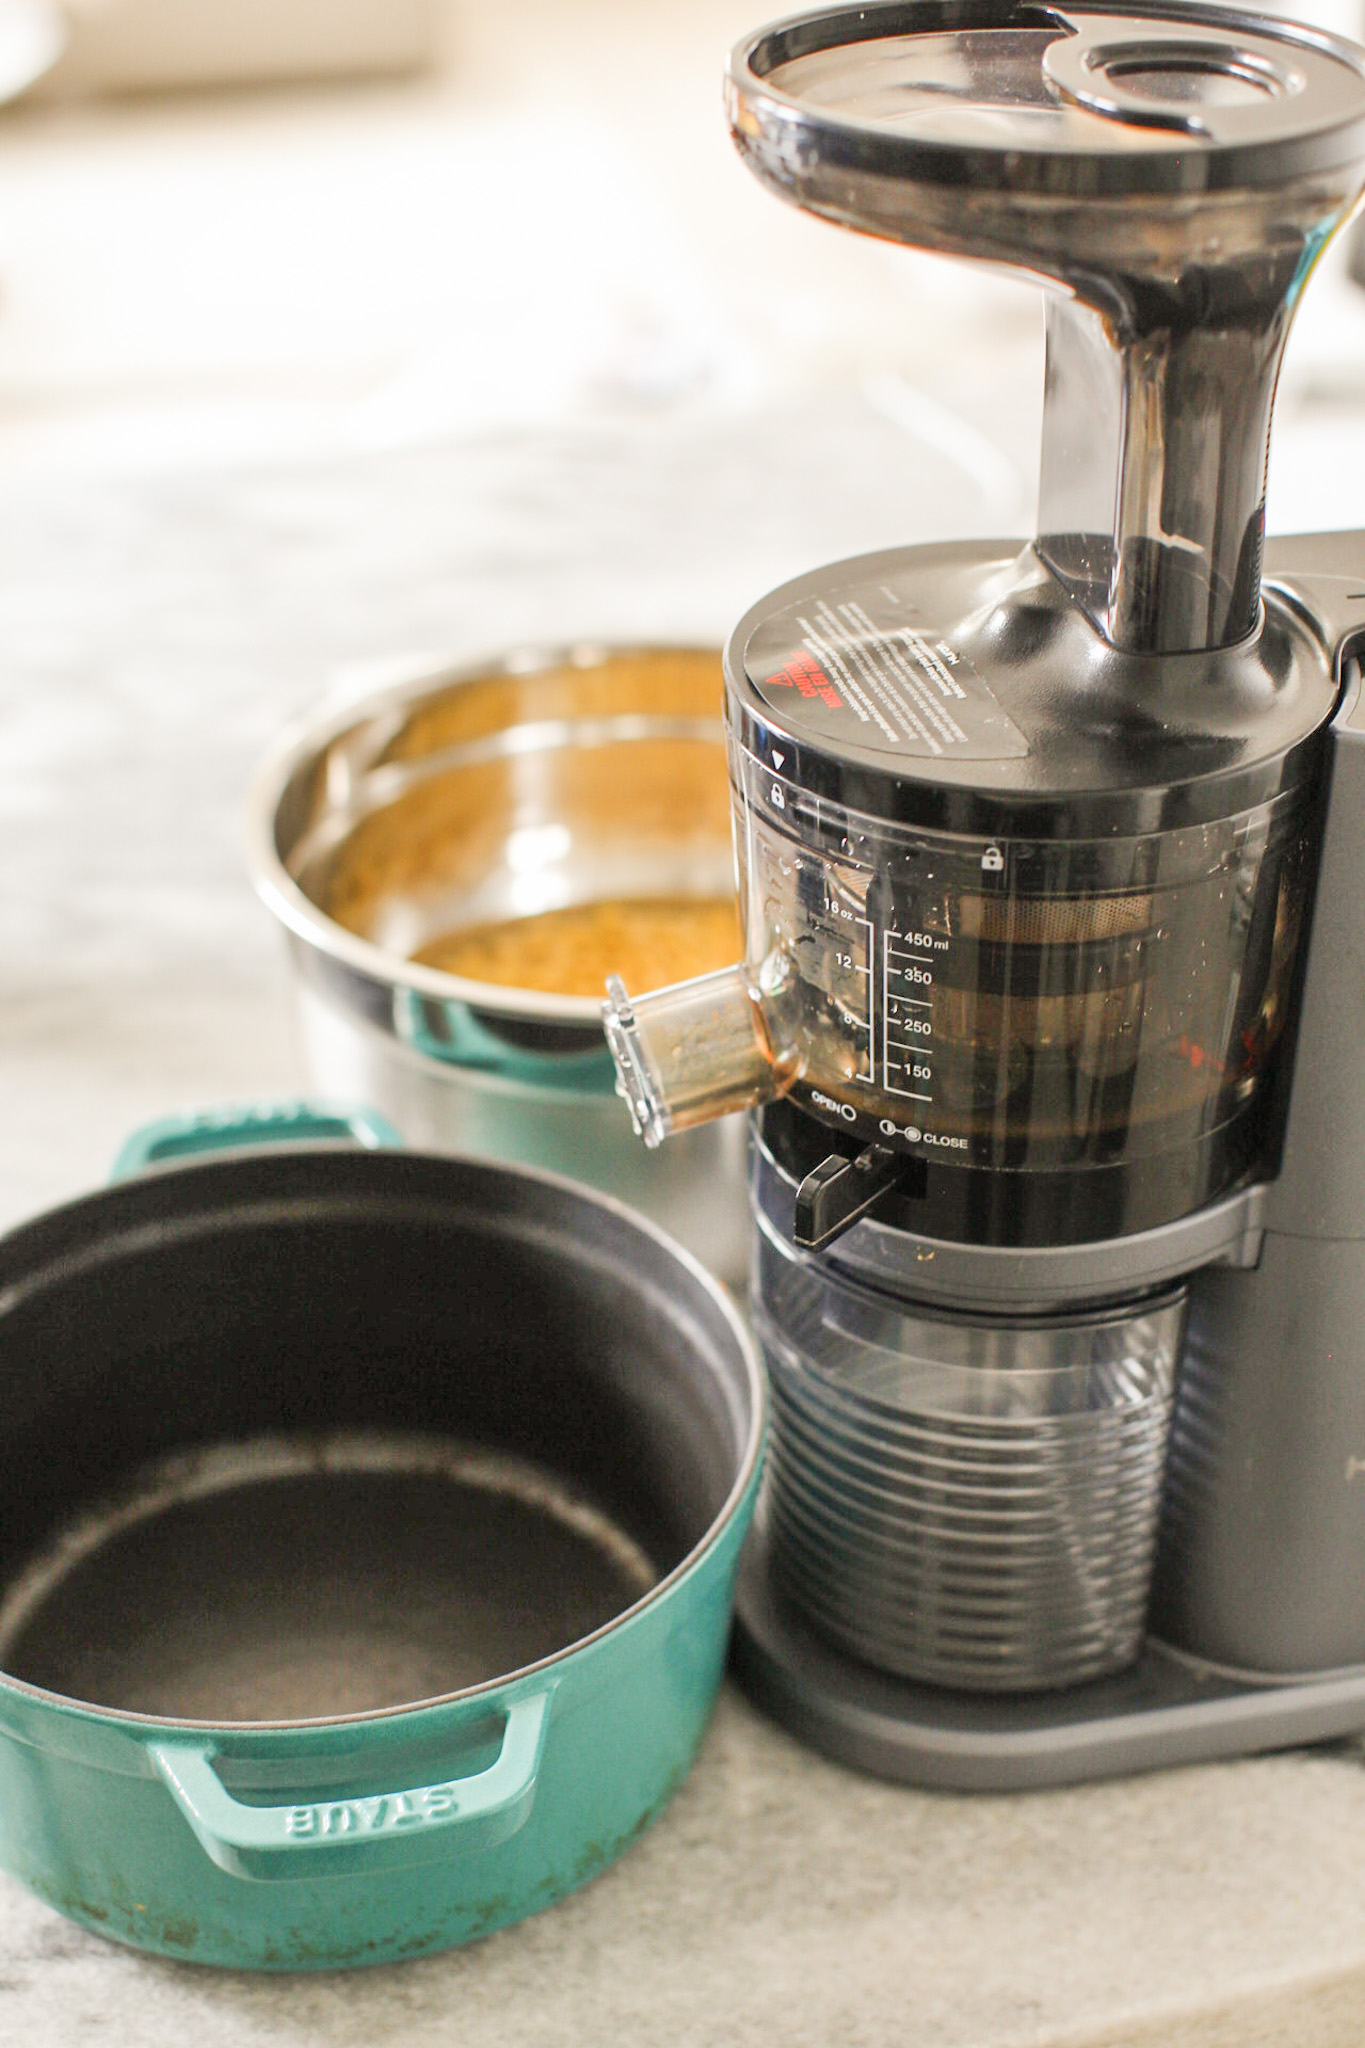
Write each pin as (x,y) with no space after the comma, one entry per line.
(1261,1565)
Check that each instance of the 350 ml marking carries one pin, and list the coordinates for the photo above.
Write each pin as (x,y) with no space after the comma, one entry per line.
(909,963)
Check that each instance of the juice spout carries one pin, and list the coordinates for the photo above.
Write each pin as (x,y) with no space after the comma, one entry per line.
(692,1052)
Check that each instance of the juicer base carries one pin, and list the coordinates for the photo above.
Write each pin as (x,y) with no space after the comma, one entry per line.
(1167,1710)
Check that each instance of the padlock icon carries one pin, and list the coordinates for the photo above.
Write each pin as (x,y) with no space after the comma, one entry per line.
(992,861)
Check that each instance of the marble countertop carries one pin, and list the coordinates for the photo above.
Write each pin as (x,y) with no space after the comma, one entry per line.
(783,1900)
(158,629)
(198,540)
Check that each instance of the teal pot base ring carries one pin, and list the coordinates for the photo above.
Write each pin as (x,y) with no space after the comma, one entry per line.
(370,1532)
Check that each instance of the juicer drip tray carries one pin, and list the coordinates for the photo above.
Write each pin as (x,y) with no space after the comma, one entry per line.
(1164,1711)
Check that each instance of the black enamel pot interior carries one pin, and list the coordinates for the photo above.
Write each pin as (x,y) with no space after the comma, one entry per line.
(368,1529)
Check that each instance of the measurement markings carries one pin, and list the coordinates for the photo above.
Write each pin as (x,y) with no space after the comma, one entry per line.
(864,925)
(863,1025)
(904,1059)
(864,1073)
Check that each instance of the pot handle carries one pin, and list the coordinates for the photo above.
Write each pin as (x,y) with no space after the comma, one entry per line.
(173,1138)
(381,1831)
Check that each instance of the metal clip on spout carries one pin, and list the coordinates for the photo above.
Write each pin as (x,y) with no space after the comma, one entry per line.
(695,1051)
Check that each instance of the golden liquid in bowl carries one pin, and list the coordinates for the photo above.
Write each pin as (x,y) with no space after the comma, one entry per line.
(650,941)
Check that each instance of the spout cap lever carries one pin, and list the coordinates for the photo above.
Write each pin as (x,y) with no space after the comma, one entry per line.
(836,1193)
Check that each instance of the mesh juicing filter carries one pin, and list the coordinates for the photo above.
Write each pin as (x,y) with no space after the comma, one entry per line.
(966,1501)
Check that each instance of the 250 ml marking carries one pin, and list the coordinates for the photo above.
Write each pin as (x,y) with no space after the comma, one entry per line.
(380,1814)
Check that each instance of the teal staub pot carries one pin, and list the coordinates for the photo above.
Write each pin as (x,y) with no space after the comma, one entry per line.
(369,1525)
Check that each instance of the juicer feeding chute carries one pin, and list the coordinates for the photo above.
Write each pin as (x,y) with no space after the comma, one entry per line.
(1171,174)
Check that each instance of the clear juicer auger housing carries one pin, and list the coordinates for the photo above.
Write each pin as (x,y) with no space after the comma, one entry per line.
(1063,1004)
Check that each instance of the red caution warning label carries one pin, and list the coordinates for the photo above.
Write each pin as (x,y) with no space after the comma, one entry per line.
(857,664)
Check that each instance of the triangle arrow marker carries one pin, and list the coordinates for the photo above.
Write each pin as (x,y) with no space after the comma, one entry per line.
(778,759)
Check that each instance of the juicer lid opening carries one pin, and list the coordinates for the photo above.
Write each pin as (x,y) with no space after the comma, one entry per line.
(1066,99)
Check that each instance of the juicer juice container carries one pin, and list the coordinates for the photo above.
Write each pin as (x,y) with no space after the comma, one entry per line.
(1044,851)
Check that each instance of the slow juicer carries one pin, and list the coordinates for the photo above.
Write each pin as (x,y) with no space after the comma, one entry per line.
(1051,863)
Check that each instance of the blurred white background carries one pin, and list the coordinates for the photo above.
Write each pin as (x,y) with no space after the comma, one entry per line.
(547,223)
(541,222)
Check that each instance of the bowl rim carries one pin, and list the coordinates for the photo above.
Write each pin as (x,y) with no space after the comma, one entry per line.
(309,735)
(557,1192)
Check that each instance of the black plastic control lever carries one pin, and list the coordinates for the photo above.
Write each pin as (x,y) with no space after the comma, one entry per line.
(838,1191)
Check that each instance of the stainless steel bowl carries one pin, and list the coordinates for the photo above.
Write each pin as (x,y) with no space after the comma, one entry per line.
(545,779)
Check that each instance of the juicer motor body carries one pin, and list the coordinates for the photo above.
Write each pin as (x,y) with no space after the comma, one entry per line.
(1261,1565)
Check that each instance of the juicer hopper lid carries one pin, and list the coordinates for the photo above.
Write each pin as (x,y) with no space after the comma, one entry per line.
(1059,102)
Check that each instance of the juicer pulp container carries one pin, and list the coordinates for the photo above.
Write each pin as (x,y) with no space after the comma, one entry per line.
(966,1500)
